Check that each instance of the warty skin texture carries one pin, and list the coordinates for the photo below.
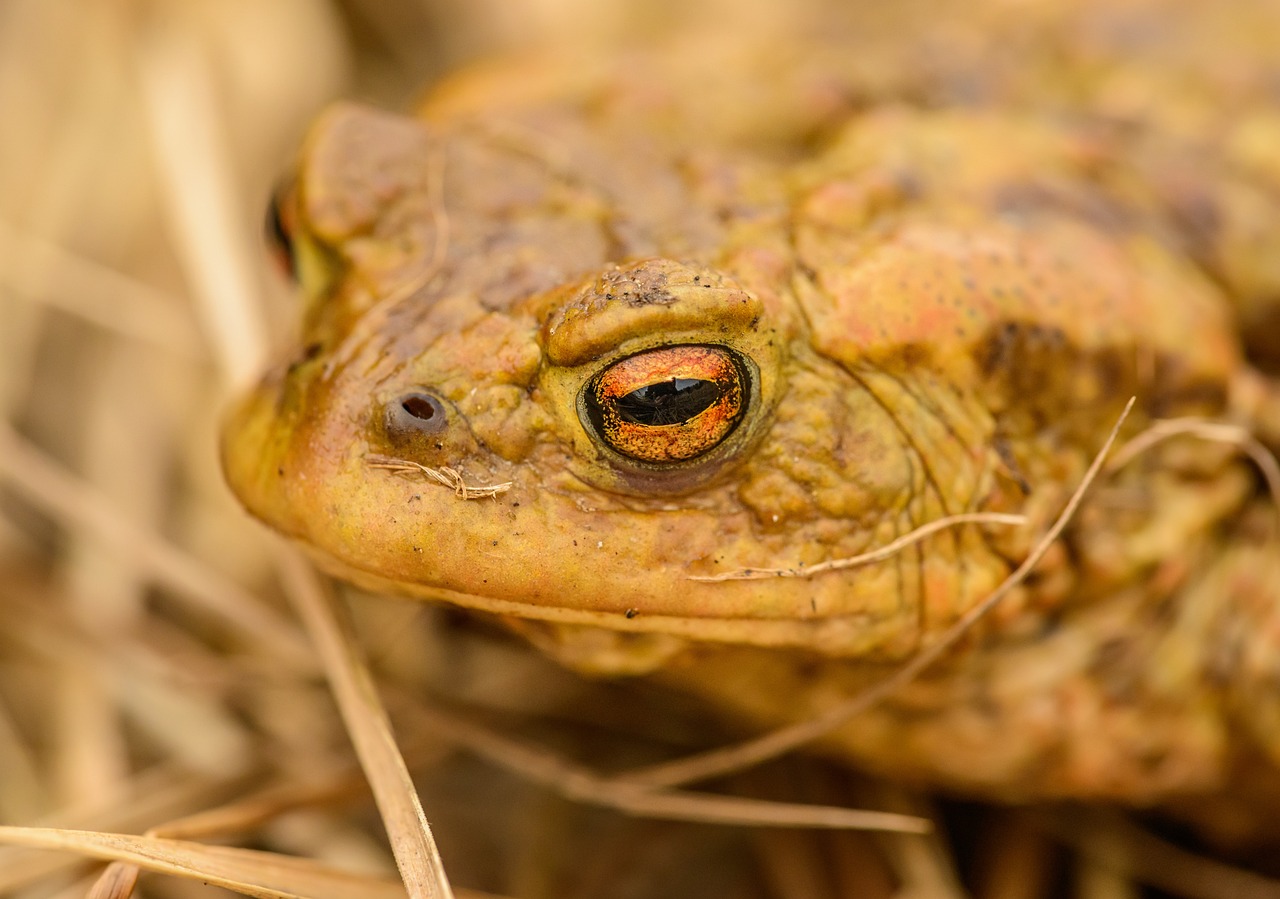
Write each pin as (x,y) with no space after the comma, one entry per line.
(943,298)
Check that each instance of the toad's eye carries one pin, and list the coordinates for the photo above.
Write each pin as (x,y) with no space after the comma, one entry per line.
(668,405)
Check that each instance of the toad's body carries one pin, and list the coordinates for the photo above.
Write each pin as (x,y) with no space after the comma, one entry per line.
(713,309)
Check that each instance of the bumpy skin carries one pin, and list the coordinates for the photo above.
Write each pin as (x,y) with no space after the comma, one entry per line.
(950,247)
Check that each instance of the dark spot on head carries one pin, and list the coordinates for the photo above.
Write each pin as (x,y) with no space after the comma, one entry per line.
(1043,372)
(1028,200)
(913,354)
(999,348)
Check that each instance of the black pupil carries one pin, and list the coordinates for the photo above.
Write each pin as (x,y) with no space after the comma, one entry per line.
(419,407)
(668,402)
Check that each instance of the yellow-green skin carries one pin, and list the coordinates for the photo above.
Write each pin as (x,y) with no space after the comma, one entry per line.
(952,247)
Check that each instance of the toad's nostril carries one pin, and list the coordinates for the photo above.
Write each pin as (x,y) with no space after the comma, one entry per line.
(413,415)
(421,407)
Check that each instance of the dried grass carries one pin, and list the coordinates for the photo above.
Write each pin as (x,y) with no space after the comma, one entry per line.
(445,477)
(156,696)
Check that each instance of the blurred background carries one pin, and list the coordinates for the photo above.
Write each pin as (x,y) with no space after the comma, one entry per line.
(148,668)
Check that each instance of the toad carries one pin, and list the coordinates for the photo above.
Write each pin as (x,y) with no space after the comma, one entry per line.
(627,349)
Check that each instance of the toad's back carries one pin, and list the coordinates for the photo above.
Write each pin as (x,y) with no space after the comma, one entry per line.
(707,309)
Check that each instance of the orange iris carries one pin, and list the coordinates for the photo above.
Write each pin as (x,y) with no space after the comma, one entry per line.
(670,404)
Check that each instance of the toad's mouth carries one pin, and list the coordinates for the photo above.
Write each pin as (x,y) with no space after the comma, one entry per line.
(834,635)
